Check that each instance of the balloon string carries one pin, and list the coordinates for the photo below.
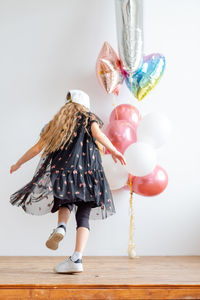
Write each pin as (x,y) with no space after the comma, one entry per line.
(131,245)
(131,208)
(114,104)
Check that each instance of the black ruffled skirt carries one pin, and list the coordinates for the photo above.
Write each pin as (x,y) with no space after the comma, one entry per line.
(48,190)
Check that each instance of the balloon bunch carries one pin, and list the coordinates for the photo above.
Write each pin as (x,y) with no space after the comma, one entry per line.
(141,73)
(137,138)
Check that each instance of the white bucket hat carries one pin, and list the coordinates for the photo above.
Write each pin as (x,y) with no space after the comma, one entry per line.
(80,97)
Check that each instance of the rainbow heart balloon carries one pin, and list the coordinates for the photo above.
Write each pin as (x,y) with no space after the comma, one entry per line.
(146,78)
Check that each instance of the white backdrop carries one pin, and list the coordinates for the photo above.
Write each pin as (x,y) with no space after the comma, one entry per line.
(50,46)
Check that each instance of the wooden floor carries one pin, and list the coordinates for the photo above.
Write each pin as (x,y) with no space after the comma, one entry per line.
(104,277)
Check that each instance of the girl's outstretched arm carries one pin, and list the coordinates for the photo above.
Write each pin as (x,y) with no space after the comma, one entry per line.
(104,140)
(33,151)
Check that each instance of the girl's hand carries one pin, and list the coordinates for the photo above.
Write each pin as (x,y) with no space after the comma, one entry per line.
(14,167)
(118,155)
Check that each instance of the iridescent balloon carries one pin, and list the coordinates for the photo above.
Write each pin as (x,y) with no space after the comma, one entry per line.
(108,70)
(129,21)
(146,78)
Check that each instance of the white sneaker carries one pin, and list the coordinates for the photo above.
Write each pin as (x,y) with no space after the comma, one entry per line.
(55,237)
(68,266)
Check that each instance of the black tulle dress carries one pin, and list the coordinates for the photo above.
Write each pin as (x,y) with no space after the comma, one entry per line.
(71,174)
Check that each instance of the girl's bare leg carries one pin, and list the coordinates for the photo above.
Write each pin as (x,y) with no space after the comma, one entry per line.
(82,234)
(82,228)
(54,238)
(63,214)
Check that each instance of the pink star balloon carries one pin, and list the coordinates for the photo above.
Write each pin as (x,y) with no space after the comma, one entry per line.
(108,70)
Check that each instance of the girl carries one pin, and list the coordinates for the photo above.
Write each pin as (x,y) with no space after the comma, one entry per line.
(69,176)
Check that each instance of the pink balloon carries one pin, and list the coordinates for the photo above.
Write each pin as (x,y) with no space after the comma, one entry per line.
(149,185)
(121,134)
(108,70)
(126,112)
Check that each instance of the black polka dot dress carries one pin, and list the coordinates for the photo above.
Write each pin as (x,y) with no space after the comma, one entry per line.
(71,174)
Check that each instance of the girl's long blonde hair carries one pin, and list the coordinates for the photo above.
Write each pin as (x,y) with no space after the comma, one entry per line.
(59,130)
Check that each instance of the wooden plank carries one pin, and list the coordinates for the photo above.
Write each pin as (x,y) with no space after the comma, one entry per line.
(109,270)
(104,277)
(135,293)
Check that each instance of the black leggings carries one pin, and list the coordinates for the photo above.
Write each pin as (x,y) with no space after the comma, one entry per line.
(82,213)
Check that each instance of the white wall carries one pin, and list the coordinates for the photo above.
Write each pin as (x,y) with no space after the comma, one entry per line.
(50,46)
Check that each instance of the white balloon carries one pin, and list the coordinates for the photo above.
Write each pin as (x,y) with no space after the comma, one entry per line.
(141,159)
(116,173)
(153,129)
